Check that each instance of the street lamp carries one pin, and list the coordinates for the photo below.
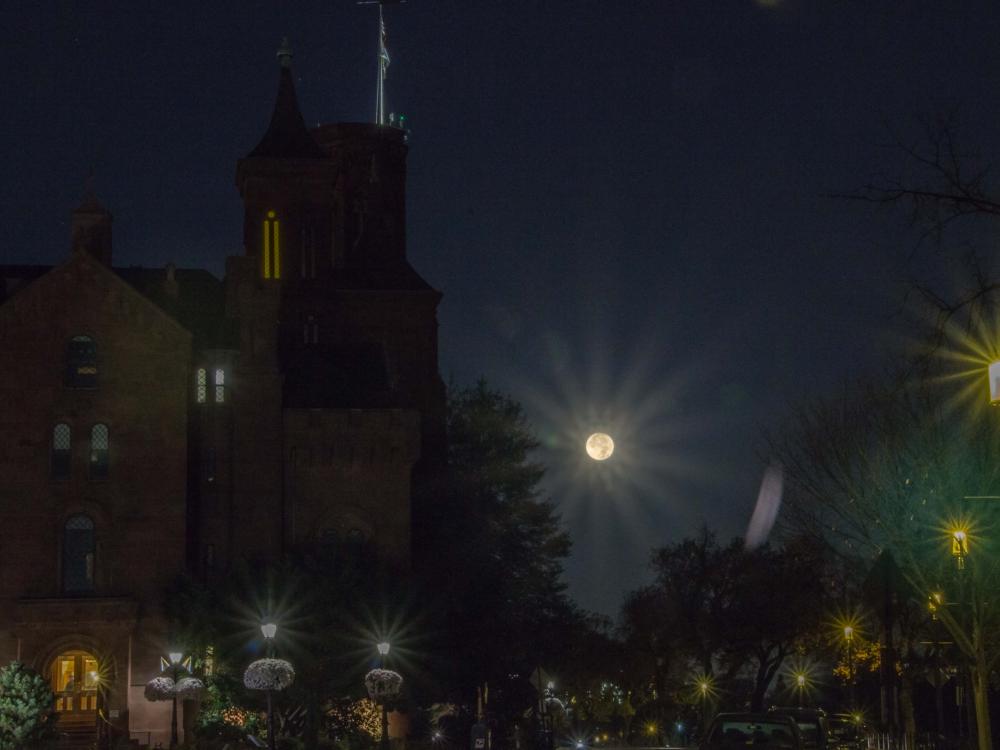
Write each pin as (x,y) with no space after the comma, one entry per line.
(705,687)
(269,674)
(849,638)
(960,546)
(800,685)
(383,685)
(995,383)
(174,663)
(269,630)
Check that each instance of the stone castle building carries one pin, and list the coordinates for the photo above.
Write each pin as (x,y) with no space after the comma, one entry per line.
(157,421)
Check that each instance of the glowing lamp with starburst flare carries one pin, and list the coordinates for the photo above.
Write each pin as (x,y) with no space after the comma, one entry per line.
(994,371)
(960,546)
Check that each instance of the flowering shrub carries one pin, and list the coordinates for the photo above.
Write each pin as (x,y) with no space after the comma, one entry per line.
(383,685)
(159,689)
(27,715)
(269,674)
(189,688)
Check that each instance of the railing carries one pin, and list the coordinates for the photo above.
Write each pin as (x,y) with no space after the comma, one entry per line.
(919,741)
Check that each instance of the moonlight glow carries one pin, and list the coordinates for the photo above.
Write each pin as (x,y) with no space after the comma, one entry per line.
(600,446)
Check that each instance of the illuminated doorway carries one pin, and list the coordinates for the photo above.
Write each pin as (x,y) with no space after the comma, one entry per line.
(74,682)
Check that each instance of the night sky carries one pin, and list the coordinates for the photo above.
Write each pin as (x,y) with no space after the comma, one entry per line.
(624,203)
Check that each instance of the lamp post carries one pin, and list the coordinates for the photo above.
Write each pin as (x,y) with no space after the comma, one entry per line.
(800,686)
(269,674)
(383,686)
(269,630)
(164,688)
(849,639)
(383,651)
(175,662)
(960,547)
(703,688)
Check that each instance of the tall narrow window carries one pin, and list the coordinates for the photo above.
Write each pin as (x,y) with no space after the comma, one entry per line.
(81,362)
(99,443)
(272,247)
(78,555)
(308,252)
(220,385)
(201,385)
(310,331)
(61,453)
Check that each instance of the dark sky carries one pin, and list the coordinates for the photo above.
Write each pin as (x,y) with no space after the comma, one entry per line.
(623,201)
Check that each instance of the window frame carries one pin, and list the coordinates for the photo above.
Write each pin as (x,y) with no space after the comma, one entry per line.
(89,569)
(81,353)
(59,455)
(99,466)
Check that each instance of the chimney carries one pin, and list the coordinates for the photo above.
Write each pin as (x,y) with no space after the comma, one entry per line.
(91,229)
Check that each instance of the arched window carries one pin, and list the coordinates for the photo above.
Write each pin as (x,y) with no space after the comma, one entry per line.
(99,444)
(201,385)
(61,451)
(81,362)
(78,554)
(272,247)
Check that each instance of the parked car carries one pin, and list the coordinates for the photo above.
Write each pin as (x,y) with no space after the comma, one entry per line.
(812,724)
(758,731)
(847,732)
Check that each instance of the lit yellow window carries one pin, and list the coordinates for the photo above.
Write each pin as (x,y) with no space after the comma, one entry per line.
(272,247)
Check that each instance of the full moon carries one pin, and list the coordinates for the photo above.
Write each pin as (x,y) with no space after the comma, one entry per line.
(600,446)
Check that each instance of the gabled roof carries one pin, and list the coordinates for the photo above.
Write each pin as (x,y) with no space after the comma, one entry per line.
(199,303)
(287,136)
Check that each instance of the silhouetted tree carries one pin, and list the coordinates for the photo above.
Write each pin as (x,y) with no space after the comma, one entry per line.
(496,553)
(725,611)
(886,469)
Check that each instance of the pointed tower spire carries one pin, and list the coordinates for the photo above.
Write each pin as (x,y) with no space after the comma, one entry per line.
(287,136)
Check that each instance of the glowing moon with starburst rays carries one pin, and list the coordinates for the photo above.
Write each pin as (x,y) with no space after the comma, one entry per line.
(600,446)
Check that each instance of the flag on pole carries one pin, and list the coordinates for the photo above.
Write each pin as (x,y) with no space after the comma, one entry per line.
(383,50)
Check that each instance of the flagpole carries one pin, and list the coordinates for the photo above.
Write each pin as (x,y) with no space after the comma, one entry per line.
(380,90)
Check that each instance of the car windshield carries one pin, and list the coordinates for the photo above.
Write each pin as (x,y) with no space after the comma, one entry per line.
(734,734)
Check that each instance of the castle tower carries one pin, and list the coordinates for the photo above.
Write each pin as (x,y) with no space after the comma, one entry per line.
(339,330)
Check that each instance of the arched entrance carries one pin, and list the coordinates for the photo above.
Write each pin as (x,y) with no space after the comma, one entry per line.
(75,676)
